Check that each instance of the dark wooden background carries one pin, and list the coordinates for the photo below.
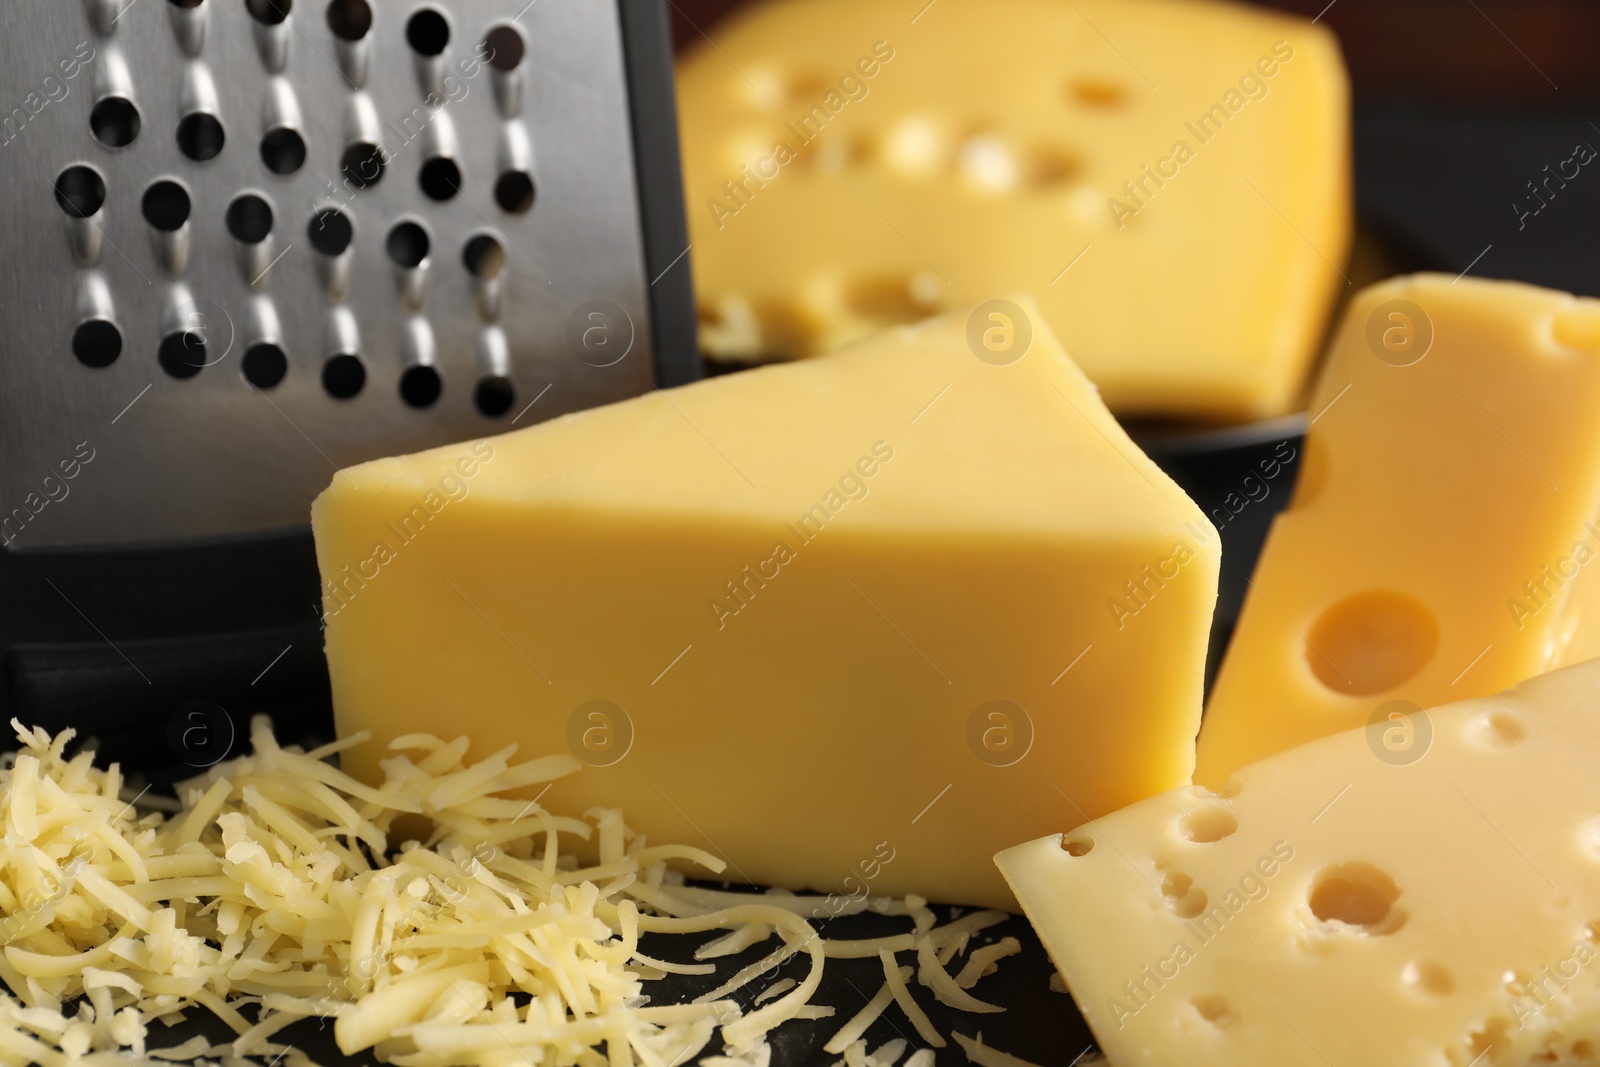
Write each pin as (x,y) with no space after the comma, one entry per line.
(1542,54)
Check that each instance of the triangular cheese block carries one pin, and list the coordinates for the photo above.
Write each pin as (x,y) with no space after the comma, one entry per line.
(852,624)
(1418,893)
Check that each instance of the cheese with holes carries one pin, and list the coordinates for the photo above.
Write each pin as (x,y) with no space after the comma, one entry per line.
(1169,177)
(1338,907)
(843,622)
(1440,542)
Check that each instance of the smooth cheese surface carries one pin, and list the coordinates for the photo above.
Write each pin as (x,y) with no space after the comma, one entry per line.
(1338,908)
(1439,544)
(847,167)
(800,592)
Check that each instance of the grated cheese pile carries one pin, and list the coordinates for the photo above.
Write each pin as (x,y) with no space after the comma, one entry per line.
(281,887)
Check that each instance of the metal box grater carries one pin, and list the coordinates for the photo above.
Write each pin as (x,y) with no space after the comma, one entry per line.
(247,242)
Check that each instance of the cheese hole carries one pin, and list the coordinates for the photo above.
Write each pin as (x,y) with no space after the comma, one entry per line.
(1578,327)
(1097,92)
(807,86)
(1583,1050)
(1428,976)
(1495,1033)
(917,147)
(1047,166)
(1498,729)
(1077,846)
(1358,896)
(1207,824)
(1184,898)
(1214,1009)
(890,298)
(987,164)
(1371,642)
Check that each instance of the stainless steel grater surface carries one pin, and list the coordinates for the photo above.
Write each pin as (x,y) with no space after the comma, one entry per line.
(249,241)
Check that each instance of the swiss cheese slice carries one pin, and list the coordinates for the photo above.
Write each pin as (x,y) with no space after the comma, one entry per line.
(1440,542)
(1340,907)
(841,621)
(1170,177)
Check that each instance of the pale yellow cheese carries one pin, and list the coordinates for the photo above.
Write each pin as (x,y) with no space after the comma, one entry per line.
(1337,908)
(1169,177)
(1441,540)
(845,619)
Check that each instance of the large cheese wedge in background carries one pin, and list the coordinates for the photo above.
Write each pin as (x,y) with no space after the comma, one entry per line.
(1337,907)
(842,622)
(1170,177)
(1441,541)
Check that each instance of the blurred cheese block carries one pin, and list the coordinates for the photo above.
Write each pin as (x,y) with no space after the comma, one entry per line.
(1170,178)
(1440,539)
(1337,908)
(844,622)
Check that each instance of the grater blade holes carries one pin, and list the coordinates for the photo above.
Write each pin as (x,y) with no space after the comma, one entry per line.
(330,231)
(115,121)
(427,32)
(420,386)
(283,150)
(513,191)
(269,12)
(249,218)
(363,164)
(504,47)
(349,19)
(165,205)
(440,178)
(186,4)
(408,244)
(495,395)
(483,256)
(343,375)
(201,136)
(97,343)
(182,353)
(264,365)
(80,191)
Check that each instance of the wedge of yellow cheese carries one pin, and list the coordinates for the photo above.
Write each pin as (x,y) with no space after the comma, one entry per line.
(1441,539)
(840,622)
(1337,908)
(1170,177)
